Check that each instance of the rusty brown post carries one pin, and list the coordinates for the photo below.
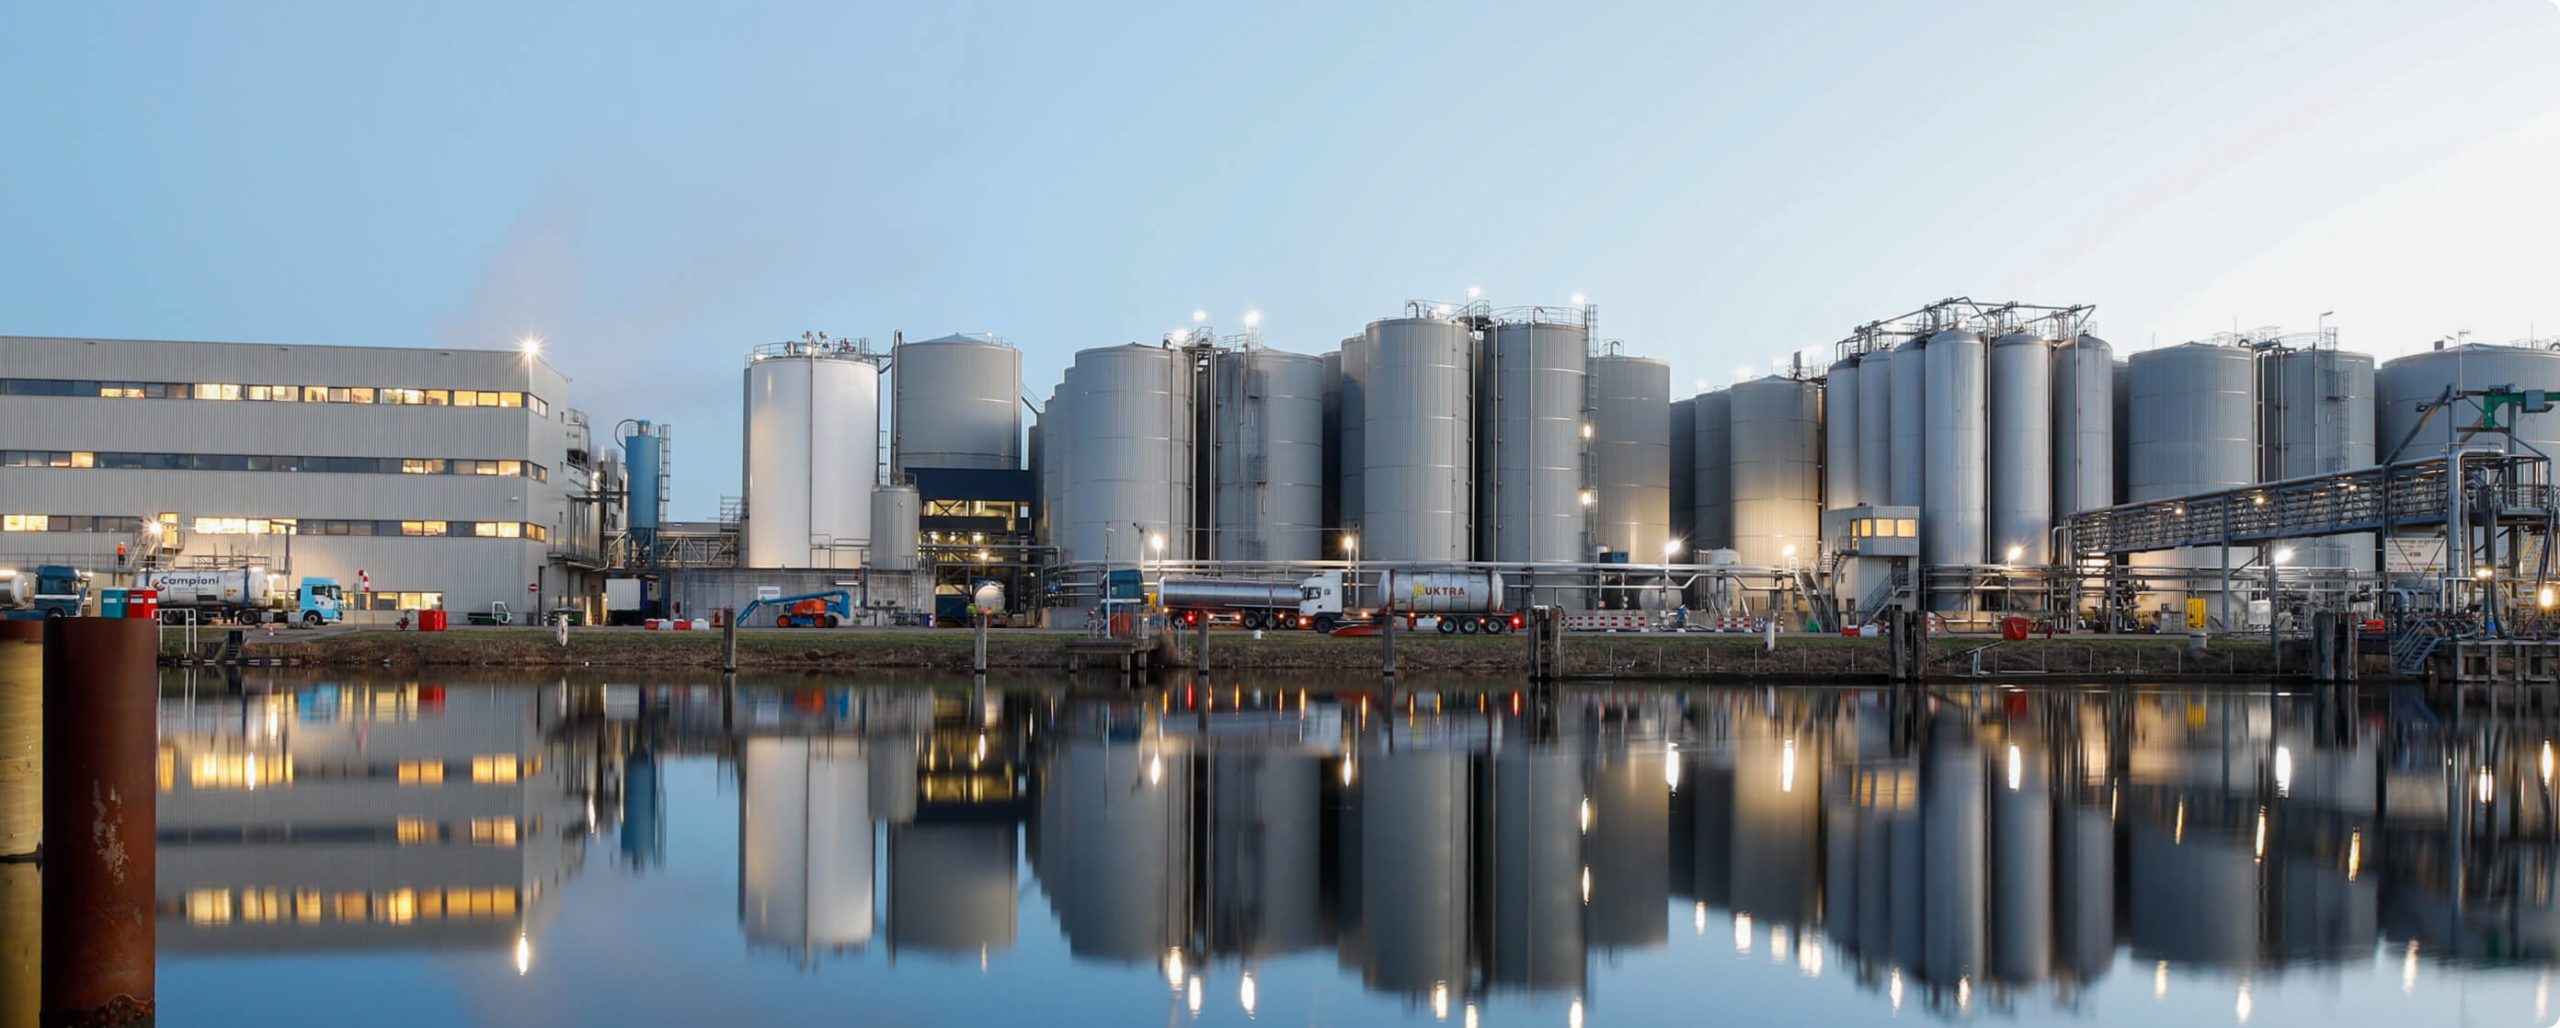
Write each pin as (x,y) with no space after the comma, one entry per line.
(102,687)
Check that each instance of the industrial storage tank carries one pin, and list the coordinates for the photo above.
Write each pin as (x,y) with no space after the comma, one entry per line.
(1684,472)
(895,512)
(1777,470)
(644,461)
(1354,455)
(1049,466)
(1418,435)
(1533,921)
(1713,501)
(2084,450)
(2320,410)
(812,454)
(1129,455)
(1875,428)
(1531,418)
(2404,385)
(2191,427)
(1112,835)
(958,404)
(2018,377)
(1841,407)
(1331,516)
(1631,454)
(1415,816)
(1952,487)
(1268,457)
(1908,418)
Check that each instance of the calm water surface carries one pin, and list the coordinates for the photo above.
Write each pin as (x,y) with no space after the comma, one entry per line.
(616,853)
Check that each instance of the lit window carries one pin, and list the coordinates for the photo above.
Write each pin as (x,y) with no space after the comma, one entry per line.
(511,468)
(349,906)
(398,906)
(83,459)
(498,768)
(511,399)
(493,831)
(307,906)
(284,393)
(415,831)
(315,394)
(261,905)
(421,772)
(360,394)
(209,906)
(257,392)
(25,522)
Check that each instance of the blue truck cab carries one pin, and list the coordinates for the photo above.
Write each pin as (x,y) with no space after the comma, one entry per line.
(50,591)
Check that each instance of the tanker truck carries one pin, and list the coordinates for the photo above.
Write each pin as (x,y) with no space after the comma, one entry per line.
(1463,602)
(1252,603)
(246,595)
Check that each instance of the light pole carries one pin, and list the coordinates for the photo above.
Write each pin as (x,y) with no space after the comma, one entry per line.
(1670,549)
(1351,587)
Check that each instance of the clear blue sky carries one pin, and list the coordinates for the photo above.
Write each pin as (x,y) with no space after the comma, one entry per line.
(654,188)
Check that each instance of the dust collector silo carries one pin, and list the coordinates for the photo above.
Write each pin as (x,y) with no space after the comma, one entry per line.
(2084,449)
(2319,419)
(1268,456)
(1631,455)
(2405,385)
(2018,378)
(958,404)
(1777,470)
(1875,428)
(1952,489)
(1713,501)
(812,455)
(1351,440)
(1841,408)
(1418,434)
(2191,427)
(1129,454)
(1908,418)
(1530,412)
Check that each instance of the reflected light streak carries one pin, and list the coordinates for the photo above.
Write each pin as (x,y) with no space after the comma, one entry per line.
(1741,933)
(2243,1007)
(524,954)
(1787,767)
(1191,997)
(1671,765)
(2409,969)
(1893,988)
(2284,770)
(1439,1001)
(2017,768)
(1244,993)
(1573,1015)
(2160,980)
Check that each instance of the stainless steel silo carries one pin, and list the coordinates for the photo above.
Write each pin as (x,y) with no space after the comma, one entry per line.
(1713,501)
(1057,468)
(1952,489)
(812,455)
(1875,427)
(2191,426)
(1353,442)
(1905,451)
(1684,474)
(2084,450)
(1841,408)
(895,513)
(1131,455)
(1331,516)
(1631,454)
(1268,456)
(1529,422)
(2319,418)
(2403,385)
(1777,471)
(957,404)
(2019,459)
(1418,413)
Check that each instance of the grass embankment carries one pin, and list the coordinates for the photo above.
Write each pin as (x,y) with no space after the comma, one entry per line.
(1621,656)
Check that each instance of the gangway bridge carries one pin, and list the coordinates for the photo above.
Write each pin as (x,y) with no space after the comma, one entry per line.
(2501,490)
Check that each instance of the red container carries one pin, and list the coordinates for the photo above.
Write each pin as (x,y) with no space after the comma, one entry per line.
(142,603)
(2014,628)
(431,620)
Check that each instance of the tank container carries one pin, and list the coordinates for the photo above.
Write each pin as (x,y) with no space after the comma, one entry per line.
(1417,407)
(2019,385)
(1631,454)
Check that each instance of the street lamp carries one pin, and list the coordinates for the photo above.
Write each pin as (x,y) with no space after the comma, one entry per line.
(2016,552)
(1351,586)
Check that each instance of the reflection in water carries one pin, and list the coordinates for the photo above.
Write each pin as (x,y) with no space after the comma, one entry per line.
(1452,851)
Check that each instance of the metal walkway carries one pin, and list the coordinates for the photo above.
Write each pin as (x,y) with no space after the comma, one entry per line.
(2410,495)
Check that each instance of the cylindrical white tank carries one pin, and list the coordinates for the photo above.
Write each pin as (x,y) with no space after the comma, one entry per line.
(895,512)
(1631,454)
(2320,409)
(1418,405)
(1777,470)
(1354,455)
(1841,407)
(1875,427)
(2084,452)
(1530,417)
(1268,457)
(2191,427)
(1952,489)
(2404,385)
(957,404)
(1906,449)
(804,860)
(812,455)
(1684,474)
(1130,455)
(2019,382)
(1713,474)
